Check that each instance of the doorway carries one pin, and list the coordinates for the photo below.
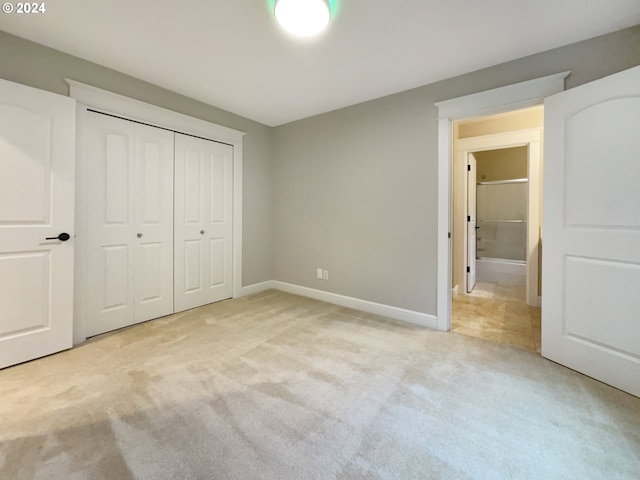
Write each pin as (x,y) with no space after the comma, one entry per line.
(589,218)
(496,165)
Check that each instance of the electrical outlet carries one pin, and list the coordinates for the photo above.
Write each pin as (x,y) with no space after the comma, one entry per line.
(319,273)
(325,275)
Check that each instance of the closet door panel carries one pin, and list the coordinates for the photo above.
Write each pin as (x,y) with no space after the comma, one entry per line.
(220,161)
(216,262)
(193,271)
(203,176)
(193,187)
(153,223)
(109,158)
(189,261)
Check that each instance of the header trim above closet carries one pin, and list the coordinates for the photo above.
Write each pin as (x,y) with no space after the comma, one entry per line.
(130,108)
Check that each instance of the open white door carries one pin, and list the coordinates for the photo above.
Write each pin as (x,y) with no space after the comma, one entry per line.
(591,253)
(37,155)
(472,244)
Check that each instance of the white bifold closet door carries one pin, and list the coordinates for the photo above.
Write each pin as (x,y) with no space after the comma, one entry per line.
(129,220)
(203,221)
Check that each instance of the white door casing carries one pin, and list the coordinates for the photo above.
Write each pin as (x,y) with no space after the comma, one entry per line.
(472,244)
(203,221)
(129,223)
(497,100)
(37,156)
(591,254)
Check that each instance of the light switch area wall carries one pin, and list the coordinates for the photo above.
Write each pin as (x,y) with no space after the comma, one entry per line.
(45,68)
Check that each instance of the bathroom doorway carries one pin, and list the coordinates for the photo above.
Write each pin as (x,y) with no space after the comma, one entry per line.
(496,227)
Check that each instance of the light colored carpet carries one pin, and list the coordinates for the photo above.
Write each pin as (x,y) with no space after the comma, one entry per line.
(275,386)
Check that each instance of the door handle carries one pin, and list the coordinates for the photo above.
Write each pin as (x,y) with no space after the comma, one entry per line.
(63,237)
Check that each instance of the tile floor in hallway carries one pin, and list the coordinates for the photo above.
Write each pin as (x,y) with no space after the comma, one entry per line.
(498,312)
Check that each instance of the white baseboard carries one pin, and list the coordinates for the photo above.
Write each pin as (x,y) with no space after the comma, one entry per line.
(454,291)
(409,316)
(404,315)
(257,288)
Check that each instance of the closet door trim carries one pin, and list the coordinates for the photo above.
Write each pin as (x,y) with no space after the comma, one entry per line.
(90,97)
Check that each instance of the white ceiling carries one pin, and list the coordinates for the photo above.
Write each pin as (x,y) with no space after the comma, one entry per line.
(231,54)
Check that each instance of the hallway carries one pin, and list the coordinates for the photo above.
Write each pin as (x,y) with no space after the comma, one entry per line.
(497,312)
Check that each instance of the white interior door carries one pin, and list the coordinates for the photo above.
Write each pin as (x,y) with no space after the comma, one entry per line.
(203,221)
(472,244)
(129,223)
(591,253)
(37,155)
(109,268)
(153,223)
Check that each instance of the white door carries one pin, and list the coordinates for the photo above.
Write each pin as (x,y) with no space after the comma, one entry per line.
(591,230)
(472,244)
(37,155)
(129,220)
(153,221)
(203,221)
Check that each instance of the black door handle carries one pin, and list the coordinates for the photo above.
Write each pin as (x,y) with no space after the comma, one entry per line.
(63,237)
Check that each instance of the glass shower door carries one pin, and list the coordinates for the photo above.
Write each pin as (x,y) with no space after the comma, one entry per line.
(502,220)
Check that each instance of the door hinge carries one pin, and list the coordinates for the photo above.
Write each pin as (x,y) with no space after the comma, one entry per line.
(468,218)
(468,168)
(449,235)
(468,269)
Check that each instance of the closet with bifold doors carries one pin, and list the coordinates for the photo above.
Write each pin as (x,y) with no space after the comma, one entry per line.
(158,222)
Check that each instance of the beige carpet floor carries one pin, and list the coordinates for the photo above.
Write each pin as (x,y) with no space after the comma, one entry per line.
(274,386)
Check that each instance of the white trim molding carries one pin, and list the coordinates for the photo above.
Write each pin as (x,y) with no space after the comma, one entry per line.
(395,313)
(498,100)
(257,288)
(109,102)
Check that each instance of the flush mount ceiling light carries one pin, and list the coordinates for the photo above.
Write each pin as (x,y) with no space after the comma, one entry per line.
(303,18)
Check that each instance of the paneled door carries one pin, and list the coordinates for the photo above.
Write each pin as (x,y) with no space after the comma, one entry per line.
(129,223)
(203,221)
(591,254)
(37,160)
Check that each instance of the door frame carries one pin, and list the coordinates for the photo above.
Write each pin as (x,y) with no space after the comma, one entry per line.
(532,139)
(498,100)
(471,222)
(104,101)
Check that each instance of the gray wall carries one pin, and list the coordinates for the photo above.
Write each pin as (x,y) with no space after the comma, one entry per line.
(41,67)
(351,191)
(355,189)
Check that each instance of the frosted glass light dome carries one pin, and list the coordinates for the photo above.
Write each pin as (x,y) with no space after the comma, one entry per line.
(303,18)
